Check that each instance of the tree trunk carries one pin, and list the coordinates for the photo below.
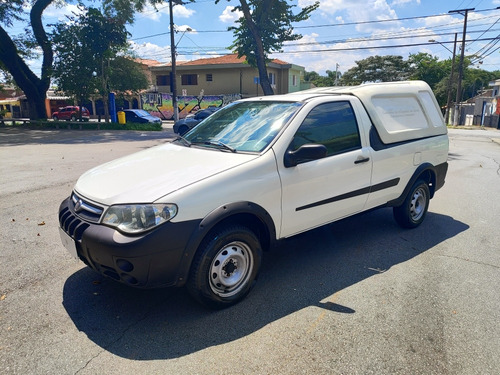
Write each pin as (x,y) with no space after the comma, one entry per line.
(259,53)
(33,87)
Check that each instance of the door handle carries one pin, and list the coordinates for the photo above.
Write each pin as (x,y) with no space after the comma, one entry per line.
(363,160)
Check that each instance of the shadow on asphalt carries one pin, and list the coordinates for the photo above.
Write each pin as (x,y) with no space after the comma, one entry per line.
(19,136)
(301,272)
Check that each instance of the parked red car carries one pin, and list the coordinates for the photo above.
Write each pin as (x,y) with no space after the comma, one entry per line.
(71,113)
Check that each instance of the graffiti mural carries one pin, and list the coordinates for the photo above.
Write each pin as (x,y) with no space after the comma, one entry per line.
(160,105)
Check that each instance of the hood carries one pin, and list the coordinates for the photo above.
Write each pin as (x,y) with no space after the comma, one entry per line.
(148,175)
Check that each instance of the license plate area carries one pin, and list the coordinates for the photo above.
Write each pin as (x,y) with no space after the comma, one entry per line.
(68,243)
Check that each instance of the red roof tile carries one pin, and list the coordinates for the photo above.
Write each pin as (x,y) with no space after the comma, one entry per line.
(226,59)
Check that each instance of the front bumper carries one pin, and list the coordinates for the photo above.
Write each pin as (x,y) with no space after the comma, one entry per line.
(149,260)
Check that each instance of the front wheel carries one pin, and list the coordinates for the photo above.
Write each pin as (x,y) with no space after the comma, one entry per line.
(225,267)
(414,208)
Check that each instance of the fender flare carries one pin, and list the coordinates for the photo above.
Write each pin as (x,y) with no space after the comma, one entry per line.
(237,211)
(421,170)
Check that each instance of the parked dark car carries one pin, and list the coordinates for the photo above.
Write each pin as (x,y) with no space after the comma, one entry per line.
(184,125)
(71,113)
(140,116)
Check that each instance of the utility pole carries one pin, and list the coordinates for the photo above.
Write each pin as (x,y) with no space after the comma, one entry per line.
(173,83)
(463,12)
(448,102)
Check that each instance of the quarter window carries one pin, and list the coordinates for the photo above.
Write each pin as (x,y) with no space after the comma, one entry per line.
(332,125)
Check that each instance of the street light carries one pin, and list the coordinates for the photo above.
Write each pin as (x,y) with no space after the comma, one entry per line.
(448,102)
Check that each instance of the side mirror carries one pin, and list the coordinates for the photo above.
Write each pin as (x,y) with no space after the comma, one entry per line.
(304,153)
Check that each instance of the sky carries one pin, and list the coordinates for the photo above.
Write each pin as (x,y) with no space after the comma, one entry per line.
(339,32)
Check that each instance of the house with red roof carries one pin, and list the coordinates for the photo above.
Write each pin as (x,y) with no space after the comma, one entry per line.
(226,75)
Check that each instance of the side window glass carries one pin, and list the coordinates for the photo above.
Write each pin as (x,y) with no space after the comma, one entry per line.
(332,125)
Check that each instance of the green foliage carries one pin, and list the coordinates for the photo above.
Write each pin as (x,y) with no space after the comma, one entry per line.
(321,81)
(87,60)
(11,11)
(273,20)
(126,75)
(377,69)
(12,59)
(85,125)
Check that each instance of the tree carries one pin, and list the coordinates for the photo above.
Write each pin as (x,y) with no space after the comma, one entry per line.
(377,69)
(86,56)
(428,68)
(12,59)
(321,81)
(264,27)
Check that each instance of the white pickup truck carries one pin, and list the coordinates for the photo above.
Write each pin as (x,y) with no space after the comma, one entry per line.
(200,210)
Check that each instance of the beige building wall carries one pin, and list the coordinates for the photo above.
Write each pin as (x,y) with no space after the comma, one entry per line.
(217,80)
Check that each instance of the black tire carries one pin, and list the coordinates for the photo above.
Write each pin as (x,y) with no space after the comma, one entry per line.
(225,267)
(73,118)
(55,118)
(414,208)
(183,130)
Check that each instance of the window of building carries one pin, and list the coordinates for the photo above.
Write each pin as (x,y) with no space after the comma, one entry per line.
(209,77)
(294,80)
(272,78)
(331,124)
(189,79)
(163,80)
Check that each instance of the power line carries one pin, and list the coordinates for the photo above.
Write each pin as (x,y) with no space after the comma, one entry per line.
(337,24)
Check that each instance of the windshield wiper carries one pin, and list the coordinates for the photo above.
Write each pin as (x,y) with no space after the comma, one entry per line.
(220,144)
(184,140)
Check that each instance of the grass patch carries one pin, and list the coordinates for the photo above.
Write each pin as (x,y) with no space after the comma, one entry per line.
(84,125)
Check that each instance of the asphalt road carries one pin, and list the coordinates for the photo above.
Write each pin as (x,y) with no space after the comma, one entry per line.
(360,296)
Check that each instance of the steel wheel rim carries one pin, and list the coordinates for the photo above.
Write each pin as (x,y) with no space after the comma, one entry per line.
(417,204)
(230,269)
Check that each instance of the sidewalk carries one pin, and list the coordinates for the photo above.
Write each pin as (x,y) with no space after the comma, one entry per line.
(167,125)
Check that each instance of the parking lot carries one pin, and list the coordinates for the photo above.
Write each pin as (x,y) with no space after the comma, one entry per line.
(360,296)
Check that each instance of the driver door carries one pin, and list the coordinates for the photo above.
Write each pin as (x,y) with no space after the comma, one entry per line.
(316,192)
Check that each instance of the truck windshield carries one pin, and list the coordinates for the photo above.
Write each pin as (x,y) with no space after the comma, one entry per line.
(247,126)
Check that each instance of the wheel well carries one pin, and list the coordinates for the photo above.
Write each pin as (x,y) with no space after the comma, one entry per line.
(250,221)
(424,172)
(430,177)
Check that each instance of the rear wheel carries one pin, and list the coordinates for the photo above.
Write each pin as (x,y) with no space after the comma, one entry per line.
(73,118)
(225,267)
(55,118)
(414,208)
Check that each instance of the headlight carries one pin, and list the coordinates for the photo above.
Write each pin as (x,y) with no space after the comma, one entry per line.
(136,218)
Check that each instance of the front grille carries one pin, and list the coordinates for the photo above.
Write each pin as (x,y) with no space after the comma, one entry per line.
(72,224)
(85,209)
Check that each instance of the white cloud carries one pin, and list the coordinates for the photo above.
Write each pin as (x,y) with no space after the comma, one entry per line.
(228,16)
(151,51)
(61,12)
(183,12)
(403,2)
(180,11)
(181,28)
